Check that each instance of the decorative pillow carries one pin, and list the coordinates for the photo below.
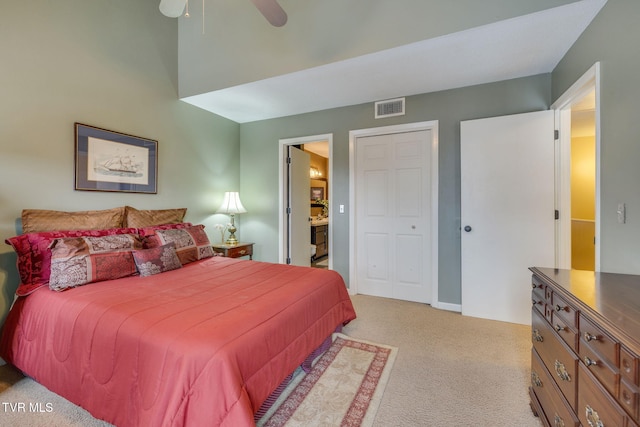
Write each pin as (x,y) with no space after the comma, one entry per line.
(36,220)
(157,260)
(34,255)
(77,261)
(191,243)
(146,218)
(149,233)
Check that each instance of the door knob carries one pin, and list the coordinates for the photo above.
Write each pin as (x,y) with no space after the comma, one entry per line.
(467,228)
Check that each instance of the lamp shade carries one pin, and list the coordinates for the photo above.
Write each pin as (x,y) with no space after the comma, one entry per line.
(231,204)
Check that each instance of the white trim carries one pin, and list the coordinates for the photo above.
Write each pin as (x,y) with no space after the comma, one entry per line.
(562,106)
(281,194)
(386,130)
(448,306)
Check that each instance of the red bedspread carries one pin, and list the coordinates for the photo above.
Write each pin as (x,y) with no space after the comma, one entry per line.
(201,345)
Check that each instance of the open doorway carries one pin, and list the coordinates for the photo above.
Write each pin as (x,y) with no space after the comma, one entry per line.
(577,170)
(583,183)
(319,202)
(317,228)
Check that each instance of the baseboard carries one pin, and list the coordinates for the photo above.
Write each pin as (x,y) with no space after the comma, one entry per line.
(447,306)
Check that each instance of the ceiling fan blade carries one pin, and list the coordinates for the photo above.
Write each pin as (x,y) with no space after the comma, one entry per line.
(272,11)
(172,8)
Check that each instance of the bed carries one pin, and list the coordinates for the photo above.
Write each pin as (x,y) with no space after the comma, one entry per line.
(205,343)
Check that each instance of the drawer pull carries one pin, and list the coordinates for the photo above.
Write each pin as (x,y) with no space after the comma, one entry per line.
(592,417)
(559,308)
(535,379)
(533,285)
(557,421)
(561,371)
(537,336)
(589,361)
(243,251)
(589,337)
(560,328)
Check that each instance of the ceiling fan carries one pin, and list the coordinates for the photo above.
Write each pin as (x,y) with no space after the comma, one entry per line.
(269,8)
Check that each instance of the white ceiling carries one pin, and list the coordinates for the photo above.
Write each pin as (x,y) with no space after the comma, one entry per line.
(321,148)
(518,47)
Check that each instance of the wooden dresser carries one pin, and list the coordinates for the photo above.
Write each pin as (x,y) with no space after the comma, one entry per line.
(586,348)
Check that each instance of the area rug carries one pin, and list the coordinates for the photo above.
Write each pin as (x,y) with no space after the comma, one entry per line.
(344,388)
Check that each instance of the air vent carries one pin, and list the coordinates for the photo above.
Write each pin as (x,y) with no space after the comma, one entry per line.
(390,108)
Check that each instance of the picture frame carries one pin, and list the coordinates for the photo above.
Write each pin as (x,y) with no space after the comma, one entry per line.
(317,193)
(112,161)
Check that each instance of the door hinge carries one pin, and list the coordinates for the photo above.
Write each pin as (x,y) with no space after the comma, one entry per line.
(288,160)
(288,261)
(556,134)
(288,211)
(557,214)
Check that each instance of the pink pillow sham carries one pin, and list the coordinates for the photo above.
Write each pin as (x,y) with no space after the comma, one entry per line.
(157,260)
(34,255)
(76,261)
(191,243)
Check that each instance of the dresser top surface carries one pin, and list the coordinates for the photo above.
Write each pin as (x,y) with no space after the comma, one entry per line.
(612,298)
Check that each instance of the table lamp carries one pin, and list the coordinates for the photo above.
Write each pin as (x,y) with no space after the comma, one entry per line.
(231,205)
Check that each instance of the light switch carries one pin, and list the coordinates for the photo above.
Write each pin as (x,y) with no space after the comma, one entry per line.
(341,207)
(622,213)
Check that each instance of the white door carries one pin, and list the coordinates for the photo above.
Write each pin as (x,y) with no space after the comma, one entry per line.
(507,212)
(393,219)
(299,208)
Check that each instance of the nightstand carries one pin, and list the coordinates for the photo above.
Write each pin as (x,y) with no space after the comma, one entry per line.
(234,251)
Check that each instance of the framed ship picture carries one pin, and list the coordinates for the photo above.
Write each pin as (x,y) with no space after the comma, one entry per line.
(113,161)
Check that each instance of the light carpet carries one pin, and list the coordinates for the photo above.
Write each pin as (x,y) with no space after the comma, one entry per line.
(344,388)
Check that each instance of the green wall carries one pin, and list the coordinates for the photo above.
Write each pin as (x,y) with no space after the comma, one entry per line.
(612,39)
(111,64)
(259,142)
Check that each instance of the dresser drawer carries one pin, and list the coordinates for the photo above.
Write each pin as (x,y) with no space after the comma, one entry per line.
(599,342)
(595,405)
(538,301)
(559,360)
(600,368)
(567,312)
(536,283)
(556,410)
(628,366)
(549,294)
(566,332)
(628,398)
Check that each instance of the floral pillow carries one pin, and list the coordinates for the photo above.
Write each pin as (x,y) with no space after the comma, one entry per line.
(149,233)
(34,255)
(76,261)
(157,260)
(191,243)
